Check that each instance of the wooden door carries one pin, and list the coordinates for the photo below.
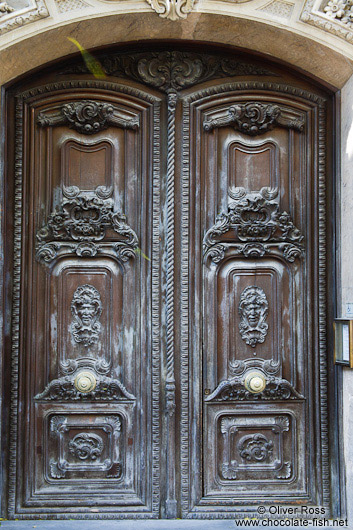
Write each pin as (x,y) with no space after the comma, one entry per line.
(168,299)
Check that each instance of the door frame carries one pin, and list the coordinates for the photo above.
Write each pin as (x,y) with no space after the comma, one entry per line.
(335,457)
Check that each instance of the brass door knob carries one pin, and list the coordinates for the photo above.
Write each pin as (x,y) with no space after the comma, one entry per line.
(85,382)
(255,382)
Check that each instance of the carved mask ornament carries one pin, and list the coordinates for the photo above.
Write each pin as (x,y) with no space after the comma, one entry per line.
(86,308)
(253,310)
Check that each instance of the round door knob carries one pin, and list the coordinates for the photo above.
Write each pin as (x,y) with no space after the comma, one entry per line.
(85,382)
(255,382)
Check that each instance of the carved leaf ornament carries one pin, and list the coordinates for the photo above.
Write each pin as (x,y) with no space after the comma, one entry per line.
(257,227)
(255,448)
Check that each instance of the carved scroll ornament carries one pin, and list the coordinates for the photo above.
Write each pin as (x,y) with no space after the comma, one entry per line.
(86,446)
(86,308)
(253,310)
(79,224)
(234,390)
(254,119)
(256,227)
(64,389)
(172,9)
(255,448)
(87,117)
(172,70)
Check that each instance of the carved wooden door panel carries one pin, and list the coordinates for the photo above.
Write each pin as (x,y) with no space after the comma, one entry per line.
(168,302)
(88,177)
(255,360)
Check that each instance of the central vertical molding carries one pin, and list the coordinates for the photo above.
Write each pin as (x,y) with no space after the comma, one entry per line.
(171,503)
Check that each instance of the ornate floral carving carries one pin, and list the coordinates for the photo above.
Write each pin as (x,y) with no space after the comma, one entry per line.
(234,390)
(341,10)
(87,117)
(86,446)
(173,70)
(12,18)
(86,308)
(78,223)
(172,9)
(253,119)
(63,389)
(114,422)
(333,17)
(255,448)
(58,424)
(115,471)
(258,228)
(253,310)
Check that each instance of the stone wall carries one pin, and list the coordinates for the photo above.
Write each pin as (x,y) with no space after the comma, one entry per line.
(346,272)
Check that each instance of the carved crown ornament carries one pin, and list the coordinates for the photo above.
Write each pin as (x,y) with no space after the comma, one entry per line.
(172,70)
(85,224)
(87,117)
(254,227)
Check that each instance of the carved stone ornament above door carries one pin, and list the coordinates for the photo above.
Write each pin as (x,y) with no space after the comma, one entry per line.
(20,13)
(331,16)
(172,9)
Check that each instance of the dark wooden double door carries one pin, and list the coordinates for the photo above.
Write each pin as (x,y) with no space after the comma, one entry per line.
(168,302)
